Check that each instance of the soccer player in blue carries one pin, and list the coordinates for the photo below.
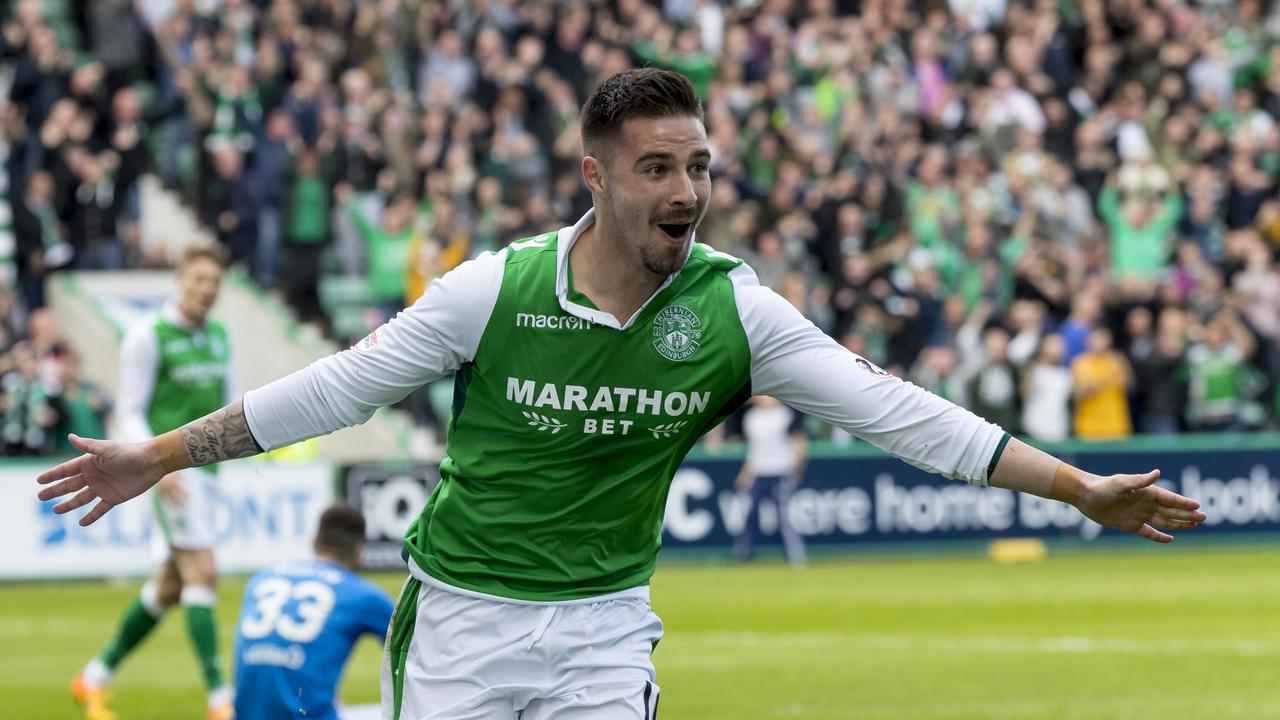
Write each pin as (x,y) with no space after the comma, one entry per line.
(299,622)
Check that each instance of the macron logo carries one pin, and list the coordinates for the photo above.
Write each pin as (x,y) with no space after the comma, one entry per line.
(551,322)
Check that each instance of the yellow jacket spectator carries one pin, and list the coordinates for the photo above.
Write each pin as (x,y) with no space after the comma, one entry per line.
(437,245)
(1099,379)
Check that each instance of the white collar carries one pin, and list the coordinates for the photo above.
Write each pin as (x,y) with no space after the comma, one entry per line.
(173,315)
(564,243)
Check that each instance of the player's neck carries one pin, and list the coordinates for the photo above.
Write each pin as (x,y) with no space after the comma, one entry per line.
(346,563)
(604,272)
(194,320)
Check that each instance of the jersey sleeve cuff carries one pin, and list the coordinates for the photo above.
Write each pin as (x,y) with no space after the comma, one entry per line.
(995,457)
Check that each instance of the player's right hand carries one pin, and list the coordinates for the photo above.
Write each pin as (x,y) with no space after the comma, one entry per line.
(110,472)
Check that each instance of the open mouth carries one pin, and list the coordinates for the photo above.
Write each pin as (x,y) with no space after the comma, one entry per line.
(675,231)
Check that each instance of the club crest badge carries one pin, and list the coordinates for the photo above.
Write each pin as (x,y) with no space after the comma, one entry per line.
(676,332)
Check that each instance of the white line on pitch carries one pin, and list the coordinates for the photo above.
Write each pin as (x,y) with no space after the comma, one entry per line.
(983,643)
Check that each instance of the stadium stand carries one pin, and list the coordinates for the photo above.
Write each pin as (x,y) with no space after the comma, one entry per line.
(1064,210)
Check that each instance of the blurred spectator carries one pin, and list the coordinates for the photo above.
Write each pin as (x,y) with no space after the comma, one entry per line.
(96,205)
(81,406)
(388,244)
(29,416)
(935,371)
(679,50)
(1160,376)
(1063,207)
(304,217)
(129,130)
(1257,289)
(769,260)
(993,391)
(271,165)
(359,152)
(41,238)
(777,450)
(117,38)
(235,200)
(1100,377)
(11,325)
(1046,385)
(1141,212)
(11,255)
(45,340)
(1079,325)
(439,245)
(447,65)
(1215,371)
(1026,319)
(932,204)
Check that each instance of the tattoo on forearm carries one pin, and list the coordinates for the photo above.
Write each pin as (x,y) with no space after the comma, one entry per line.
(218,436)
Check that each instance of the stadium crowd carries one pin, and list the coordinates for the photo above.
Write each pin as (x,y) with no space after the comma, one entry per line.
(42,395)
(1060,213)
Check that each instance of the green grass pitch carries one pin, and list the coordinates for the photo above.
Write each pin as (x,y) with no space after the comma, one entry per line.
(1090,636)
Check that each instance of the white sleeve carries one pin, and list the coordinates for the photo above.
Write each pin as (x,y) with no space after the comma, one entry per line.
(424,342)
(139,357)
(797,363)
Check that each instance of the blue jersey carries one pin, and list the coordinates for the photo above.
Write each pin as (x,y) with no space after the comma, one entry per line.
(298,624)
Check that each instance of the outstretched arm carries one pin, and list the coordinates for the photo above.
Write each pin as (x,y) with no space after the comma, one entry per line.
(795,362)
(1126,502)
(113,472)
(435,336)
(218,436)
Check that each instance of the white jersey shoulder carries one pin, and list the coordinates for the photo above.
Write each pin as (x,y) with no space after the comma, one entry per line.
(424,342)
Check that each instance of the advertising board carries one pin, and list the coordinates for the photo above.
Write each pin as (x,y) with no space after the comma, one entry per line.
(265,513)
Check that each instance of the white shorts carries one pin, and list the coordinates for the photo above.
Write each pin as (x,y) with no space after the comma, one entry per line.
(456,656)
(359,712)
(188,526)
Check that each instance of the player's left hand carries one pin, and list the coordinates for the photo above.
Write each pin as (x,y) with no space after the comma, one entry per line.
(1134,504)
(110,472)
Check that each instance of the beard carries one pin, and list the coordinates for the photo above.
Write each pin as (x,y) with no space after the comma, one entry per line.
(659,256)
(664,259)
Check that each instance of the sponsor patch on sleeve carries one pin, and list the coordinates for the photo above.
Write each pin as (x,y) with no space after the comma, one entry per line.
(370,341)
(870,366)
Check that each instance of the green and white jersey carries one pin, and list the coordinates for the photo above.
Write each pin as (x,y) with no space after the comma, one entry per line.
(568,426)
(1214,386)
(171,373)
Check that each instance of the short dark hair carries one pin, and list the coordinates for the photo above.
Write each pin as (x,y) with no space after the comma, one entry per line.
(633,94)
(341,531)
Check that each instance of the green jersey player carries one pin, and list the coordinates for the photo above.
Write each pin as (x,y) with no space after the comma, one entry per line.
(588,362)
(173,369)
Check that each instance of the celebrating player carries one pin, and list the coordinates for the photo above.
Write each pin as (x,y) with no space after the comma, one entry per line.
(173,369)
(299,622)
(589,361)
